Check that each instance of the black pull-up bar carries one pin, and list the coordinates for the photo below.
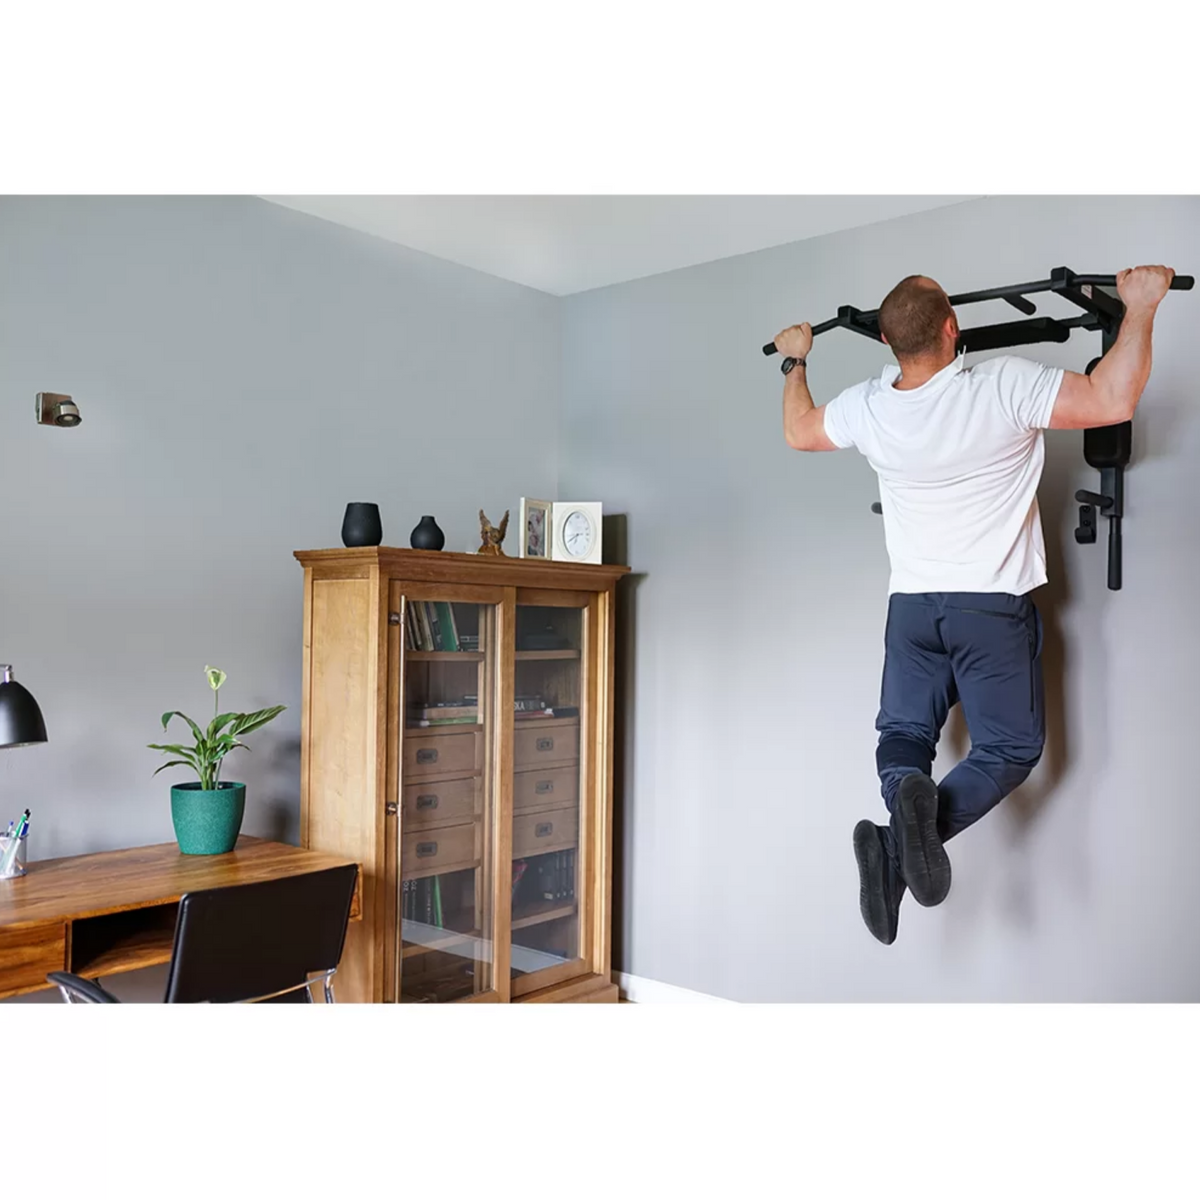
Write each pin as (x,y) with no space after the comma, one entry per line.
(1099,308)
(1107,448)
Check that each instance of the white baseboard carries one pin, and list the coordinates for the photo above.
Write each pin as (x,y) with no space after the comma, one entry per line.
(649,991)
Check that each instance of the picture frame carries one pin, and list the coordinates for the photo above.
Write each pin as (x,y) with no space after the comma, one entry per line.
(537,529)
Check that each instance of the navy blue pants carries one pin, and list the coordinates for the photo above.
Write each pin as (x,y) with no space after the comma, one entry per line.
(983,650)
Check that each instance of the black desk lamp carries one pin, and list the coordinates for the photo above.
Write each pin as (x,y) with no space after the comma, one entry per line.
(21,721)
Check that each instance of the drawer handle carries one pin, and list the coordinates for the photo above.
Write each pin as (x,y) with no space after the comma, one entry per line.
(544,787)
(544,744)
(545,829)
(426,849)
(424,802)
(427,756)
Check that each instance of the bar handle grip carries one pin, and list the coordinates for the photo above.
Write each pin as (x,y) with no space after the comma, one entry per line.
(1181,283)
(1114,554)
(770,348)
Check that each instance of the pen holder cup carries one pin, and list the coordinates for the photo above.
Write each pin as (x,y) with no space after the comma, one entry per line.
(15,868)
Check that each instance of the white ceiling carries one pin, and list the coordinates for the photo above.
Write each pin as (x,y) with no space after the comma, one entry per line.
(565,244)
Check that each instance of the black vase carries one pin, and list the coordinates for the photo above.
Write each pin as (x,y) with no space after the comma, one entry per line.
(427,535)
(361,525)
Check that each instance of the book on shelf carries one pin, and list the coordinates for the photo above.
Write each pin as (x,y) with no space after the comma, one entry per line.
(432,625)
(528,703)
(435,625)
(437,722)
(421,900)
(424,636)
(441,712)
(446,628)
(558,711)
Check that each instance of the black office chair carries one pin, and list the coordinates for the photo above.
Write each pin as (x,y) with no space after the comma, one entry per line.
(251,943)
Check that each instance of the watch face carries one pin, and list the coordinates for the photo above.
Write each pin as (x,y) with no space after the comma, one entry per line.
(577,534)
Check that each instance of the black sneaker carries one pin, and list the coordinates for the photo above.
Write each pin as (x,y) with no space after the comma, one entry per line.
(923,858)
(880,887)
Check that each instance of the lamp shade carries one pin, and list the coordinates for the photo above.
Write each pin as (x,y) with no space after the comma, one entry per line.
(21,721)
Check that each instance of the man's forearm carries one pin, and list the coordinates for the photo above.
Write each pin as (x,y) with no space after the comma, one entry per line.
(797,404)
(1120,376)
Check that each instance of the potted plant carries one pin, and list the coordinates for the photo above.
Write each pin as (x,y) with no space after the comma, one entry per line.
(207,814)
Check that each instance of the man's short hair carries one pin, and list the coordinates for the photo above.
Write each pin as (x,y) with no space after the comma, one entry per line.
(912,316)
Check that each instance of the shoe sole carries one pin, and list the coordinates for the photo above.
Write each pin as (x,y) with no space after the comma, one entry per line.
(872,898)
(923,859)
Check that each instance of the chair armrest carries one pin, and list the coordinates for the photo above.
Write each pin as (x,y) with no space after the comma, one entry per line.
(77,990)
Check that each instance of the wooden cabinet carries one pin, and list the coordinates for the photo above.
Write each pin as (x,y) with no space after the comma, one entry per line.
(457,741)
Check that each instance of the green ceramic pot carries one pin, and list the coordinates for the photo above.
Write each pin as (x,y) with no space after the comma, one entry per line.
(207,822)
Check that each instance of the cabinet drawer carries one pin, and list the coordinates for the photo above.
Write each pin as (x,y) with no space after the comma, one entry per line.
(549,788)
(445,802)
(432,851)
(533,747)
(437,754)
(544,832)
(28,955)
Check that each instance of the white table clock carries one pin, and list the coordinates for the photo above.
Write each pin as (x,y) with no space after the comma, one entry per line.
(577,531)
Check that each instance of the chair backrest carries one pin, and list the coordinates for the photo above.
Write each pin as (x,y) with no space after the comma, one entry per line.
(252,940)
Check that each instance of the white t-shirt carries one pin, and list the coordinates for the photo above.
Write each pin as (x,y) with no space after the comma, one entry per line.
(959,460)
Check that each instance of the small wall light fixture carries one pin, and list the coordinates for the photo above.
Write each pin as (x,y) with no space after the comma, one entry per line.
(56,409)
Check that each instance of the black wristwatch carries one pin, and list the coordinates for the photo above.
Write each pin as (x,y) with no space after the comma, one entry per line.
(789,362)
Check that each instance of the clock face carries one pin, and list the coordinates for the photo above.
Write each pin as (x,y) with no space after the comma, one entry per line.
(578,534)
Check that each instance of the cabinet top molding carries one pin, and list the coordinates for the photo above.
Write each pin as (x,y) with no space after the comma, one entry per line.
(434,565)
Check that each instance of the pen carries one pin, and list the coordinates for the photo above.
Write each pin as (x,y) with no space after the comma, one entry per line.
(14,843)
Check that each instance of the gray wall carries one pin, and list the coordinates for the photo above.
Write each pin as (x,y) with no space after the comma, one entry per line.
(243,371)
(754,636)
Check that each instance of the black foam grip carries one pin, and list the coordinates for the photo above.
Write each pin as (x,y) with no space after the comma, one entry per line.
(770,348)
(1183,283)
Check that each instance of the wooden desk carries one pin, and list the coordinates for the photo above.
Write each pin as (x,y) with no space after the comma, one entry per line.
(100,914)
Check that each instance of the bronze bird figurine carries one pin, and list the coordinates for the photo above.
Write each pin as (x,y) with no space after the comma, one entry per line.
(491,536)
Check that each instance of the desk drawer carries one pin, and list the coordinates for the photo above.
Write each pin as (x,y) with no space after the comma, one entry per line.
(433,851)
(545,832)
(536,747)
(28,955)
(448,802)
(441,753)
(551,787)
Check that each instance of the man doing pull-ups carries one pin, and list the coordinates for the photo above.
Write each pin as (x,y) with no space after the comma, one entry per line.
(959,453)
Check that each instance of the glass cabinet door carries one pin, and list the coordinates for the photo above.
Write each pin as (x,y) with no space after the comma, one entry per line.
(444,897)
(550,717)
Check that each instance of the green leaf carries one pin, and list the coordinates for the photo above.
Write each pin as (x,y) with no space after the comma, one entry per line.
(224,744)
(177,763)
(182,751)
(249,722)
(215,677)
(219,722)
(195,728)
